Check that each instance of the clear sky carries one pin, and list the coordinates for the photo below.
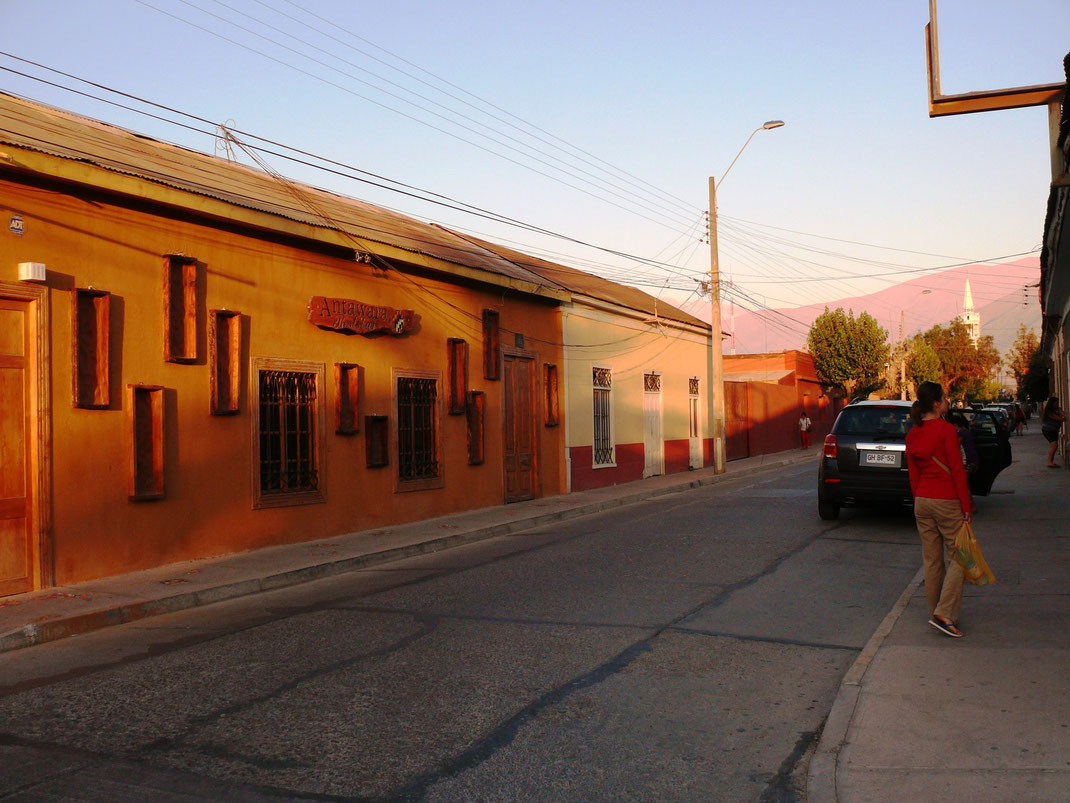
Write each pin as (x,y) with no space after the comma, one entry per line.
(635,104)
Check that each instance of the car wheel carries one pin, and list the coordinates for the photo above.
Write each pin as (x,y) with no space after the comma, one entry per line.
(829,511)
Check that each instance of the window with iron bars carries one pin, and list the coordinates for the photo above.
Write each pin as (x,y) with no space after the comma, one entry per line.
(602,379)
(289,458)
(417,429)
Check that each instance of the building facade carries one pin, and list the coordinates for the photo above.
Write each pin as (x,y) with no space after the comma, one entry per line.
(1055,269)
(635,379)
(198,358)
(764,395)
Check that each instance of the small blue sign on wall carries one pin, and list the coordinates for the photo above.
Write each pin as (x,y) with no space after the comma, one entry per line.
(16,225)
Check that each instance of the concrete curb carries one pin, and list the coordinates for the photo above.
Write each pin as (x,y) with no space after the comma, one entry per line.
(62,626)
(821,775)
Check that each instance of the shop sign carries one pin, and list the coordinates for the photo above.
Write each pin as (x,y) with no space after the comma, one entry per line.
(355,317)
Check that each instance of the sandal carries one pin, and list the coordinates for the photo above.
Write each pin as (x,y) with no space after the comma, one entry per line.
(947,628)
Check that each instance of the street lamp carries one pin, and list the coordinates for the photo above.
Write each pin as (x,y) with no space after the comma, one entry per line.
(716,367)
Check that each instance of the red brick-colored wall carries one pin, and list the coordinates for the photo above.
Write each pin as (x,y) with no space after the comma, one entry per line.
(630,463)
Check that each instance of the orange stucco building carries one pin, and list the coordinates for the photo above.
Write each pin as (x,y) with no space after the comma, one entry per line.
(764,395)
(199,358)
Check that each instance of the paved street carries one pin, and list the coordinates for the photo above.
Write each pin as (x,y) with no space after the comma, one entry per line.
(685,648)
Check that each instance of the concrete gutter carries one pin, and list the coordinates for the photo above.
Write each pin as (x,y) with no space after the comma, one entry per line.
(54,613)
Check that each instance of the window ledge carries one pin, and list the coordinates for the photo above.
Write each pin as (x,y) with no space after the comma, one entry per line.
(290,499)
(404,486)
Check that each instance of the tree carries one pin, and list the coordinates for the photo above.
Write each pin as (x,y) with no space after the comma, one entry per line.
(848,352)
(1020,355)
(962,362)
(923,363)
(1035,383)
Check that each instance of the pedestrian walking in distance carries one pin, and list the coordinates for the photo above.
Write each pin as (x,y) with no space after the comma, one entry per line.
(1050,421)
(1019,419)
(942,503)
(805,425)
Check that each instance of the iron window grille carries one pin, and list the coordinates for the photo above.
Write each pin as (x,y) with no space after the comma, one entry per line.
(692,386)
(288,455)
(417,436)
(603,425)
(652,383)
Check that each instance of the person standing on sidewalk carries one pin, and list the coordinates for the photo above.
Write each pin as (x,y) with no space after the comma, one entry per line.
(805,425)
(941,503)
(1050,421)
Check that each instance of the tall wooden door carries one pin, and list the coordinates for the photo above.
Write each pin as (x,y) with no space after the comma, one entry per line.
(653,442)
(520,457)
(16,430)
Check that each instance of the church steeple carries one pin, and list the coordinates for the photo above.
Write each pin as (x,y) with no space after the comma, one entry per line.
(971,317)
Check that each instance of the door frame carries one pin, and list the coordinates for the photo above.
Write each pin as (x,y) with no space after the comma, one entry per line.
(37,296)
(533,356)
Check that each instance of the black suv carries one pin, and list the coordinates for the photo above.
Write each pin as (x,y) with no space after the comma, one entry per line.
(863,460)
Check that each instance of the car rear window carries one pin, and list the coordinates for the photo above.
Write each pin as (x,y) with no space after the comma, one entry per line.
(887,421)
(980,421)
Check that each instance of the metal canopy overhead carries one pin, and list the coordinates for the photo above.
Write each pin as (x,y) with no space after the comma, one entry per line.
(941,105)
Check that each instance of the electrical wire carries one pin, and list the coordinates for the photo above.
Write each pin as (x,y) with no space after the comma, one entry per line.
(387,107)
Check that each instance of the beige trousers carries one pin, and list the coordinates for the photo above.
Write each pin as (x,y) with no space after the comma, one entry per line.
(939,522)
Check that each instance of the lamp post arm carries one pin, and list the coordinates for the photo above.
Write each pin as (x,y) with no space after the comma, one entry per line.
(740,153)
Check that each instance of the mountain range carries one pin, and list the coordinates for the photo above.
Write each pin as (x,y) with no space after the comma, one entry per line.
(1004,294)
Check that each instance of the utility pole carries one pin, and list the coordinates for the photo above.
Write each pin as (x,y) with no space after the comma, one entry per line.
(902,356)
(715,365)
(716,357)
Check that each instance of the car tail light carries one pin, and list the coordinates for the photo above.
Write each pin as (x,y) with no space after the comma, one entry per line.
(830,446)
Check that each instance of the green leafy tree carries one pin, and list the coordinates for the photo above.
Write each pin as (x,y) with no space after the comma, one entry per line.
(1021,353)
(983,390)
(848,352)
(961,361)
(1035,382)
(923,364)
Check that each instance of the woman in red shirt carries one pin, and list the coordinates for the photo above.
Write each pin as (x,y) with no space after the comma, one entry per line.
(941,503)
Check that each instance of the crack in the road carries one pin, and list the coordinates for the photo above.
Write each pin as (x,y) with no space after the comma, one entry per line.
(163,744)
(97,759)
(505,732)
(789,642)
(506,620)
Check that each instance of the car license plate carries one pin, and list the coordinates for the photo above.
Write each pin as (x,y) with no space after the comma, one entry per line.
(882,459)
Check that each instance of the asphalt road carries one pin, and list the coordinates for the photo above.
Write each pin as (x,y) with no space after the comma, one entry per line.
(687,648)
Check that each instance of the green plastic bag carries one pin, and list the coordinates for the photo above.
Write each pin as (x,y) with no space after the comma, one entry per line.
(968,556)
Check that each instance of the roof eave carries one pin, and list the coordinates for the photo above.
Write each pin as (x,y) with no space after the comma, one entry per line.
(642,315)
(87,174)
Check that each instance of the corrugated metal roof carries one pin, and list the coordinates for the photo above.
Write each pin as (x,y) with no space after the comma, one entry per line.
(588,284)
(37,127)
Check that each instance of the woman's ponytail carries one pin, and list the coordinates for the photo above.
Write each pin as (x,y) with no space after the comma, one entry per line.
(915,413)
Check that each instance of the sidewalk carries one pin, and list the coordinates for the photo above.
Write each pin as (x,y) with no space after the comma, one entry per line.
(54,613)
(921,716)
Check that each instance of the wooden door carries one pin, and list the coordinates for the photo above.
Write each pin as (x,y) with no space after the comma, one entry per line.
(16,465)
(520,457)
(653,443)
(737,425)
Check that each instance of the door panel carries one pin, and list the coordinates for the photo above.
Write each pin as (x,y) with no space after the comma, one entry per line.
(520,459)
(16,524)
(653,446)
